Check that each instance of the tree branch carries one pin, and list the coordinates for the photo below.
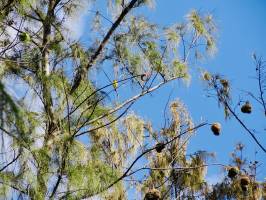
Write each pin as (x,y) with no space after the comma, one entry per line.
(133,99)
(245,127)
(176,168)
(125,174)
(260,79)
(128,101)
(77,79)
(10,163)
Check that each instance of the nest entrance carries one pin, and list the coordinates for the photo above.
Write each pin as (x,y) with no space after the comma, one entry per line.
(244,182)
(153,194)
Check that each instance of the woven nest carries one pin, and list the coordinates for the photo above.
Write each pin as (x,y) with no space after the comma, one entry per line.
(153,194)
(232,172)
(159,147)
(216,128)
(246,108)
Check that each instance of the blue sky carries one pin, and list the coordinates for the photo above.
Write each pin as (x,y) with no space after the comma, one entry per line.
(241,31)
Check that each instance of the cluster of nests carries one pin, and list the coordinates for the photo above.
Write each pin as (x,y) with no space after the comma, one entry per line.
(216,127)
(233,172)
(154,194)
(244,180)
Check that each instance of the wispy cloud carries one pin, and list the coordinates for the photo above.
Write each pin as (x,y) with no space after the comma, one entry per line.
(76,22)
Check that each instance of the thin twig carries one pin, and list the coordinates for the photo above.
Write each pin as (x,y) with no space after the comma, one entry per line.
(108,35)
(10,163)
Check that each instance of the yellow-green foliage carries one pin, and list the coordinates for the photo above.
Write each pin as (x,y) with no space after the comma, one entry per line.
(172,35)
(204,27)
(196,176)
(6,179)
(180,69)
(92,176)
(119,143)
(134,132)
(45,136)
(164,163)
(197,22)
(233,190)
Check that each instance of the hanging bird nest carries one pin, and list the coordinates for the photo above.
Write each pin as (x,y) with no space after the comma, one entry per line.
(232,172)
(216,128)
(159,147)
(244,182)
(264,189)
(153,194)
(246,108)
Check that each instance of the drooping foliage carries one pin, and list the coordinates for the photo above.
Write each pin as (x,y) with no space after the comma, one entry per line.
(67,130)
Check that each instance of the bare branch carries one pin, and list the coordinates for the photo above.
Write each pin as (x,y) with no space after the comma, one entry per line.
(10,163)
(177,168)
(245,127)
(133,99)
(259,69)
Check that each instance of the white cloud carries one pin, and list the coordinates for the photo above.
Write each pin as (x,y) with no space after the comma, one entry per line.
(76,22)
